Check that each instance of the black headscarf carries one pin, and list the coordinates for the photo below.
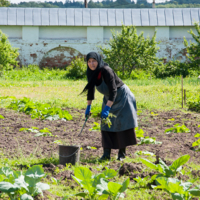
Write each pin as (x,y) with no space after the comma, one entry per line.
(93,74)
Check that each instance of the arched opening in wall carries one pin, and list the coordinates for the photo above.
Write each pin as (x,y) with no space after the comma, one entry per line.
(59,57)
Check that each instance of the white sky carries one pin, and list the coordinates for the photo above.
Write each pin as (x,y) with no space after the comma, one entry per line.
(18,1)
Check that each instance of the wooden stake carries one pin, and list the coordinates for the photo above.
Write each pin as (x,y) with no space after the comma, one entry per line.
(182,89)
(185,96)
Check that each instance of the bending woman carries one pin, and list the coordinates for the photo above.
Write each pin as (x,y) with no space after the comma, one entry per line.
(118,99)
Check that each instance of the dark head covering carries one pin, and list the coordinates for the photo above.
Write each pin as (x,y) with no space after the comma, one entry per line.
(92,74)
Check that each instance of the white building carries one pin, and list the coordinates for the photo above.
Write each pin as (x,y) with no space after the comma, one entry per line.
(52,36)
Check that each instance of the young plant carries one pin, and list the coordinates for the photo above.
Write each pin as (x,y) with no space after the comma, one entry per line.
(147,153)
(177,129)
(148,140)
(197,143)
(141,181)
(177,189)
(144,140)
(96,127)
(98,186)
(16,185)
(39,110)
(163,169)
(42,132)
(2,117)
(107,121)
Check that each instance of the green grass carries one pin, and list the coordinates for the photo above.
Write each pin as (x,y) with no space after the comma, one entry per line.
(155,94)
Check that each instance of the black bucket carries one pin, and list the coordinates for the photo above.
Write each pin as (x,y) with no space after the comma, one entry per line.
(69,154)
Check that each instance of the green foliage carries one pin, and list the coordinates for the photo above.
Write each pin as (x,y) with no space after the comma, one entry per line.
(144,140)
(147,153)
(2,117)
(42,132)
(178,129)
(96,127)
(171,69)
(177,189)
(193,51)
(163,169)
(77,68)
(194,104)
(34,73)
(98,186)
(38,110)
(143,51)
(197,143)
(148,140)
(4,3)
(8,54)
(16,185)
(107,120)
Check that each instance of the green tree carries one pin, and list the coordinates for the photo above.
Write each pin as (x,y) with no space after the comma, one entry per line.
(4,3)
(127,51)
(193,50)
(8,54)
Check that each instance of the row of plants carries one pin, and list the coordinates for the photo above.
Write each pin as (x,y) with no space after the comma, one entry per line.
(36,109)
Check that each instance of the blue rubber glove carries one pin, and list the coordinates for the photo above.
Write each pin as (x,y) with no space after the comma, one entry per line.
(87,111)
(105,112)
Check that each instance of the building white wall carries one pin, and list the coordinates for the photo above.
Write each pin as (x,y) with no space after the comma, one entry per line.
(36,43)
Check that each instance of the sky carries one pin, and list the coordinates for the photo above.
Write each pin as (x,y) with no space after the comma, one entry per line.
(18,1)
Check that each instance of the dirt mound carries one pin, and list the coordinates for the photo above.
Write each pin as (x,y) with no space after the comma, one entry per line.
(129,168)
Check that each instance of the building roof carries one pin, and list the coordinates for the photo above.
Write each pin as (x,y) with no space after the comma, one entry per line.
(98,17)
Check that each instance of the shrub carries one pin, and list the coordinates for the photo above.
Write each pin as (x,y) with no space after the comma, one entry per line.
(77,68)
(8,54)
(193,51)
(128,51)
(172,68)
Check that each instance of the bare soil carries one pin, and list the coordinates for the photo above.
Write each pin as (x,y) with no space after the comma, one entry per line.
(14,143)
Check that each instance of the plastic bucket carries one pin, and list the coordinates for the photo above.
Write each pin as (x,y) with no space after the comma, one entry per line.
(69,154)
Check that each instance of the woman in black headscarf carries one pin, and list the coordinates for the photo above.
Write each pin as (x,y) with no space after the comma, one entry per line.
(118,99)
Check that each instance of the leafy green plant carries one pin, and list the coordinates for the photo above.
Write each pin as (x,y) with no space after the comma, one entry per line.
(2,117)
(171,69)
(163,169)
(39,110)
(96,127)
(107,121)
(143,51)
(42,132)
(194,104)
(139,133)
(197,143)
(96,111)
(147,153)
(141,181)
(177,189)
(178,129)
(98,186)
(148,140)
(77,68)
(16,185)
(8,54)
(193,51)
(145,140)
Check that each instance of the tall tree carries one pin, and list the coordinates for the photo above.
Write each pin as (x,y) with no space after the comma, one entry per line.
(4,3)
